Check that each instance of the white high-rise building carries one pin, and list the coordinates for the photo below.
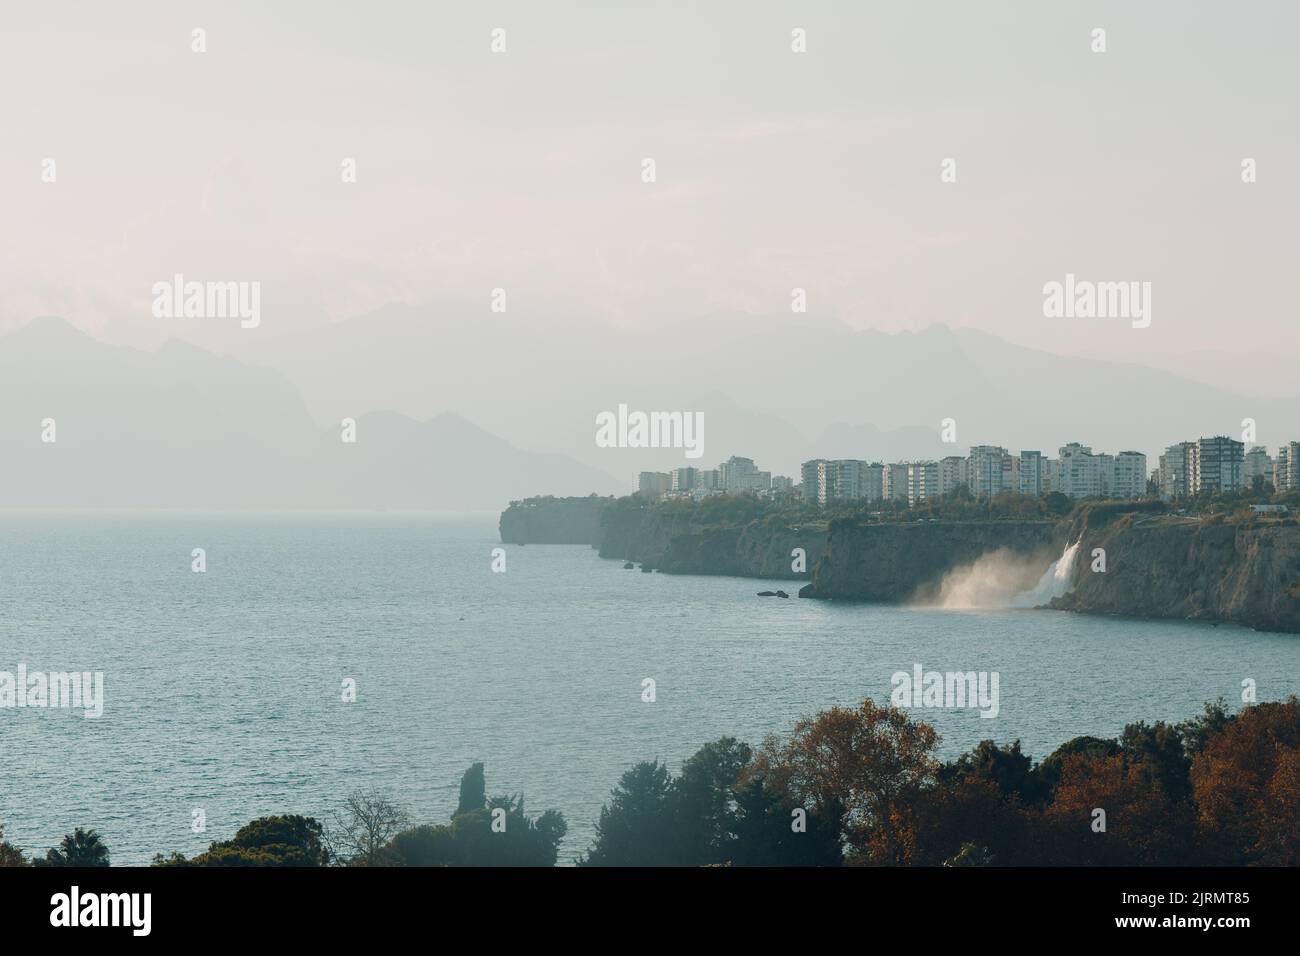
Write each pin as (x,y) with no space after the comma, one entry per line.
(683,479)
(1286,468)
(894,481)
(1031,473)
(952,474)
(1256,468)
(738,474)
(922,481)
(808,476)
(1176,470)
(1217,464)
(1130,471)
(1081,472)
(984,469)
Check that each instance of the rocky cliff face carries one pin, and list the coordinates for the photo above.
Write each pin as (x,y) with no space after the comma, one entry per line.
(894,562)
(677,538)
(675,542)
(1158,565)
(1246,572)
(553,521)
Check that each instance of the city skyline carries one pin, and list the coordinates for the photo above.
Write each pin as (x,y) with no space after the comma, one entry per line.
(1208,464)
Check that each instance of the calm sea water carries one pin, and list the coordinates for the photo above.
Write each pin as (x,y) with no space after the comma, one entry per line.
(223,689)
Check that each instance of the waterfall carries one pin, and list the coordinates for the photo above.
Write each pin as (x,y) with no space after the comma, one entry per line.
(1055,582)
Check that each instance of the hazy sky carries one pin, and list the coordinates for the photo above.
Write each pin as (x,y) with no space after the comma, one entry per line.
(775,169)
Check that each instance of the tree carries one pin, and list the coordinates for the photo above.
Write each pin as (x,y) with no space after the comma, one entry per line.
(364,828)
(288,840)
(496,832)
(703,801)
(424,845)
(766,833)
(1161,747)
(1196,731)
(10,855)
(1246,782)
(1058,503)
(1006,768)
(485,837)
(1088,747)
(1143,824)
(473,790)
(871,761)
(78,848)
(636,827)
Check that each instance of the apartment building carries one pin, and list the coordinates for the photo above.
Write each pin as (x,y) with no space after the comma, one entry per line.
(952,474)
(894,481)
(922,481)
(1257,469)
(1129,475)
(1176,470)
(1217,465)
(984,469)
(1029,480)
(654,483)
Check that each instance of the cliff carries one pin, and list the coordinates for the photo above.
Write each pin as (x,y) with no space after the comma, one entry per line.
(1244,570)
(735,537)
(1241,568)
(553,521)
(875,561)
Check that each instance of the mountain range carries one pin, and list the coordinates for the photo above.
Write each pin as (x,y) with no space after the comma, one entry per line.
(464,410)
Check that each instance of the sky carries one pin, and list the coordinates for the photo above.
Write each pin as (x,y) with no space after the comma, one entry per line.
(522,170)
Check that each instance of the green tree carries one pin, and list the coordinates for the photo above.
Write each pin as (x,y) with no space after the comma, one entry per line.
(1007,768)
(1161,747)
(78,848)
(496,832)
(703,801)
(486,837)
(636,827)
(473,791)
(288,840)
(424,845)
(766,832)
(10,855)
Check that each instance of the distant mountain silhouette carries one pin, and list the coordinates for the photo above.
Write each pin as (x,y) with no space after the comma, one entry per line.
(771,387)
(182,428)
(186,428)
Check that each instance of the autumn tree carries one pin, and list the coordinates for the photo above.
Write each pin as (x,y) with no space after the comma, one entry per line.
(1246,781)
(869,762)
(1144,824)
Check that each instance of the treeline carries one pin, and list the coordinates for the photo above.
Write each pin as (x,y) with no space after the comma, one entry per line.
(852,786)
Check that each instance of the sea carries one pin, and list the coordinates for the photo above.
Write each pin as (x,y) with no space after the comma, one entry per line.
(228,692)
